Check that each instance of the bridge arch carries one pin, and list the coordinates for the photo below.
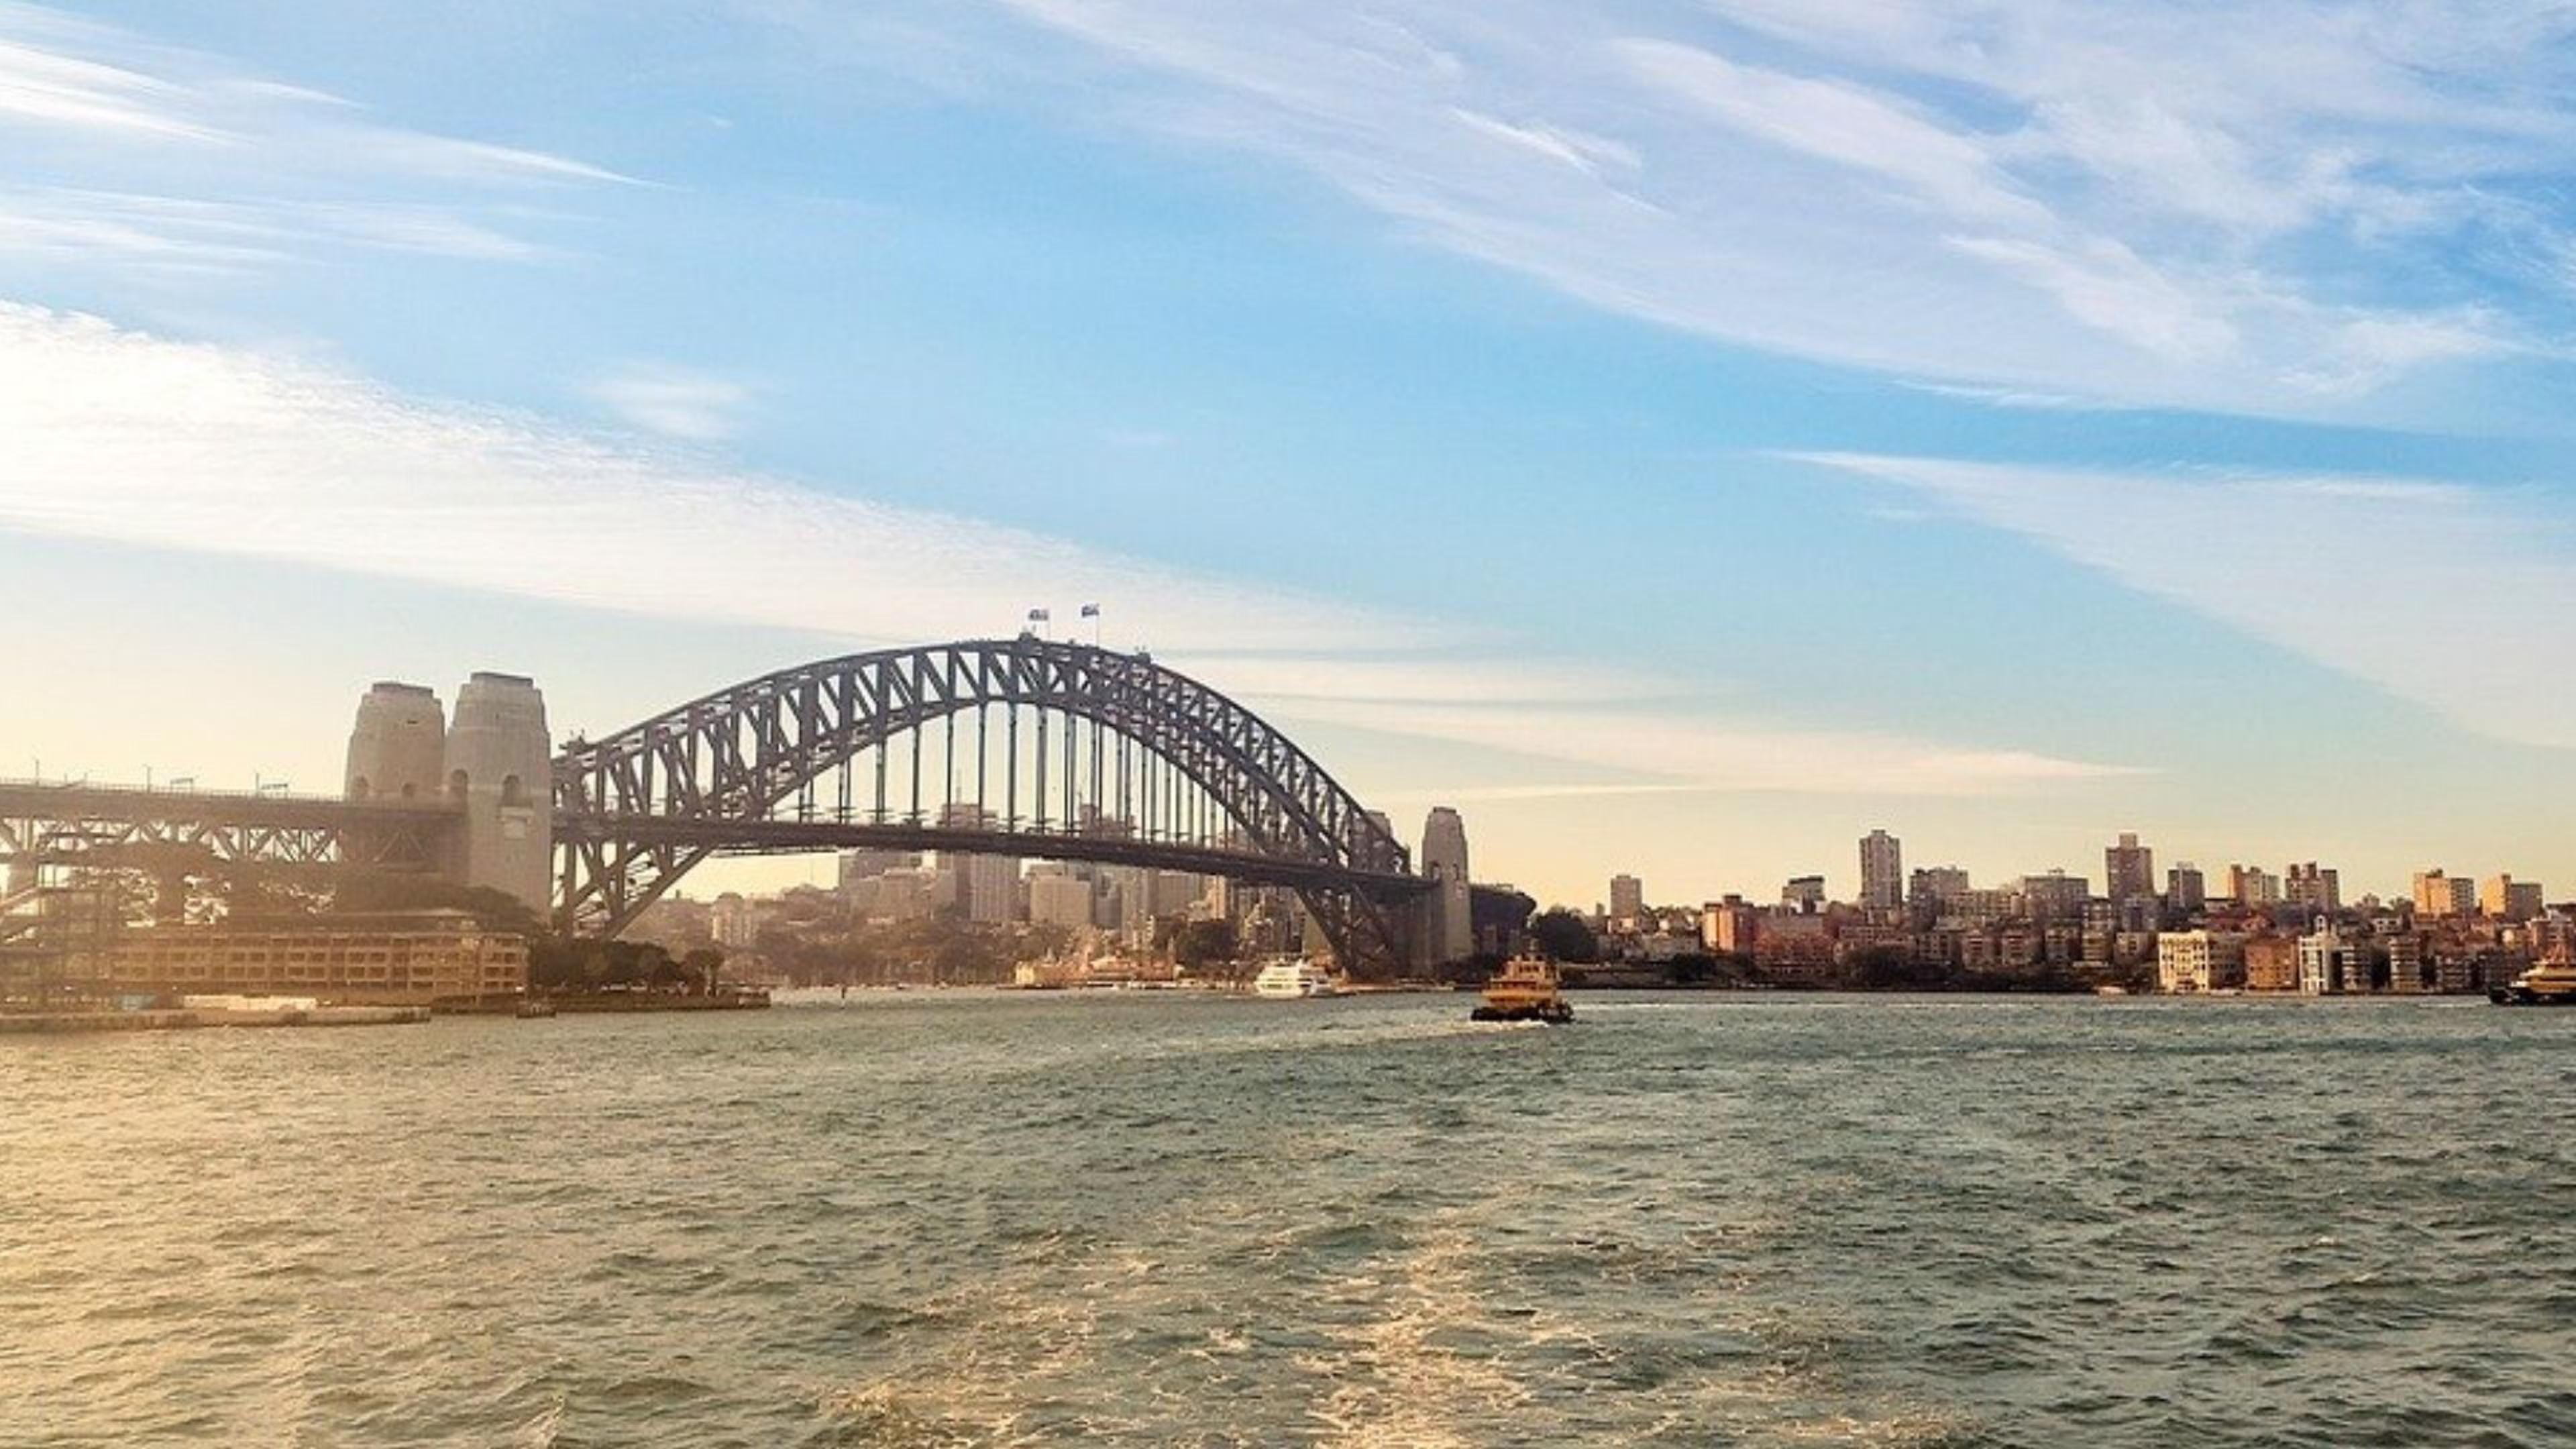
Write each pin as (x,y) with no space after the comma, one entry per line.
(766,766)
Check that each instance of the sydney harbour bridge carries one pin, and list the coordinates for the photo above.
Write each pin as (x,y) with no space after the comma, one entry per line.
(1023,747)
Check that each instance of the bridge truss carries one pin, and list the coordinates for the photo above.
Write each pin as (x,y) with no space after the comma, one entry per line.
(1019,746)
(55,824)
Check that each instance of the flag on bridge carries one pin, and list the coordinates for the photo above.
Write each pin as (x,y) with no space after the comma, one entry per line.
(1037,616)
(1091,611)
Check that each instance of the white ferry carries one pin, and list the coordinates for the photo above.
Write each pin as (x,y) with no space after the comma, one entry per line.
(1290,978)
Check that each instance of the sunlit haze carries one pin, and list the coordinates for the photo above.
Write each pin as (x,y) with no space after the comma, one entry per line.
(1681,437)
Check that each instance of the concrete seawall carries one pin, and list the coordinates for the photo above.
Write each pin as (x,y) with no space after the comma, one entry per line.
(47,1022)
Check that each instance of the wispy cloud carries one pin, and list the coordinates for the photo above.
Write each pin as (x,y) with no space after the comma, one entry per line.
(674,401)
(166,235)
(129,155)
(1986,193)
(44,88)
(121,436)
(2451,596)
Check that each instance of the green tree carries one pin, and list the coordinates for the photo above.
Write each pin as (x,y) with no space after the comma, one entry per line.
(1561,936)
(1201,944)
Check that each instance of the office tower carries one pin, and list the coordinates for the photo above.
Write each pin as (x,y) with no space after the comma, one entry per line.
(2313,888)
(1882,871)
(2128,869)
(2185,889)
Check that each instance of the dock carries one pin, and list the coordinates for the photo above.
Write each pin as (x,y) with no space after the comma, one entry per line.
(45,1023)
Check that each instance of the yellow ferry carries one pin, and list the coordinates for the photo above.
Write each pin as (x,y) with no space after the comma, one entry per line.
(1526,989)
(2551,983)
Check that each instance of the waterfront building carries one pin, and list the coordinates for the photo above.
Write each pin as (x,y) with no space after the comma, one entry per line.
(2510,900)
(2406,964)
(1804,894)
(1795,949)
(2186,891)
(1627,902)
(2551,934)
(2271,963)
(379,958)
(1882,871)
(2128,868)
(2199,961)
(2331,963)
(2313,888)
(1730,926)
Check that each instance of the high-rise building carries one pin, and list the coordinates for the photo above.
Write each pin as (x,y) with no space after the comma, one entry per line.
(2510,900)
(1627,900)
(1057,897)
(866,864)
(2185,888)
(1936,886)
(1444,860)
(988,886)
(2253,887)
(2128,869)
(1882,871)
(2431,892)
(2055,896)
(2439,895)
(2313,888)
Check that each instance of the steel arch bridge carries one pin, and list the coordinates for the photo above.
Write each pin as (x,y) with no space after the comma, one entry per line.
(1023,747)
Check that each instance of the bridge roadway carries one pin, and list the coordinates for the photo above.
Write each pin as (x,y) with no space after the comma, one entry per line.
(53,822)
(779,837)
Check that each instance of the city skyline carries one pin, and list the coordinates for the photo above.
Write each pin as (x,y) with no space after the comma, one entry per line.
(1426,425)
(2431,891)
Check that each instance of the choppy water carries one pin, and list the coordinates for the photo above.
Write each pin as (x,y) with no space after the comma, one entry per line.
(928,1220)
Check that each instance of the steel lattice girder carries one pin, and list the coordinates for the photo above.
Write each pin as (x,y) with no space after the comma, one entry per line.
(80,824)
(733,757)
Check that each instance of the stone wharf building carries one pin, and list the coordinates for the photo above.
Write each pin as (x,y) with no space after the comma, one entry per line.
(495,763)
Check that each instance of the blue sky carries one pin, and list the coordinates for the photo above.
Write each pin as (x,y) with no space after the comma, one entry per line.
(1684,436)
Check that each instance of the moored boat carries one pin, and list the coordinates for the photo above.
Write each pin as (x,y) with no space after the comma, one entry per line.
(1289,979)
(1526,989)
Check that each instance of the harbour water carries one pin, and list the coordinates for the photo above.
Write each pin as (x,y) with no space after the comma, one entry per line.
(938,1218)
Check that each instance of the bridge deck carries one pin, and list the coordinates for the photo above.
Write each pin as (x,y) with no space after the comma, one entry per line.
(770,837)
(57,800)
